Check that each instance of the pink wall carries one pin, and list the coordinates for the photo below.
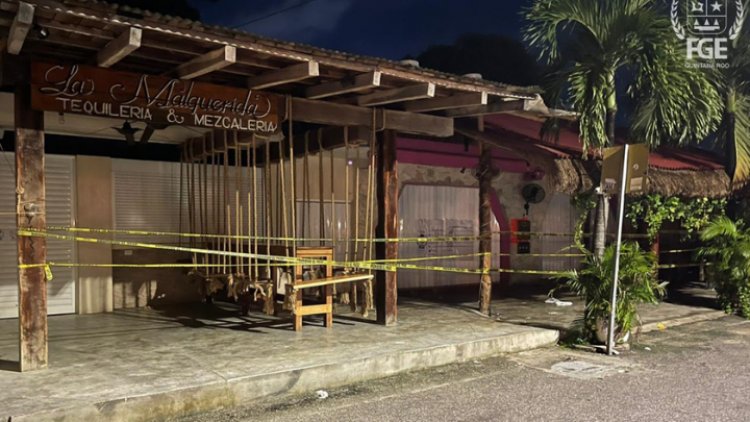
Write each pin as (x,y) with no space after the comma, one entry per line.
(441,154)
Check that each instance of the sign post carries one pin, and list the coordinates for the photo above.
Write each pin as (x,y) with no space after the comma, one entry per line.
(632,161)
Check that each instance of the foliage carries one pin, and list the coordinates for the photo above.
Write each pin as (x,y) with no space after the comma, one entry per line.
(734,86)
(654,210)
(727,249)
(496,57)
(593,282)
(592,45)
(583,202)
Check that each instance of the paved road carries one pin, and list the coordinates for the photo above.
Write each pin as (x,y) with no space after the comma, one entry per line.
(699,372)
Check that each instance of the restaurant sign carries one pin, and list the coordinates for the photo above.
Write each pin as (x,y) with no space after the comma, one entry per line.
(106,93)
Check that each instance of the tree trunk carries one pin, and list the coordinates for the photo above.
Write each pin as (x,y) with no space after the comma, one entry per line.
(611,124)
(731,145)
(602,208)
(600,228)
(729,123)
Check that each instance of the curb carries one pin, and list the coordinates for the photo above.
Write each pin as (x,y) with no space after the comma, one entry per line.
(241,390)
(676,322)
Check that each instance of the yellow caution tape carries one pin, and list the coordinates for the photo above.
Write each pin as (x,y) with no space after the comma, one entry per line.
(164,265)
(279,260)
(431,258)
(283,259)
(671,266)
(535,272)
(289,239)
(678,251)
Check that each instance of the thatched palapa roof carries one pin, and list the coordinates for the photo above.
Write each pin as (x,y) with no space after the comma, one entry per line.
(672,172)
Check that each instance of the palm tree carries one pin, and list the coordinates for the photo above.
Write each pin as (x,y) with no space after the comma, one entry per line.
(599,50)
(734,132)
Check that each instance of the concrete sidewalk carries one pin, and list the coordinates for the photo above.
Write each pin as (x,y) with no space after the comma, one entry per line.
(148,364)
(532,310)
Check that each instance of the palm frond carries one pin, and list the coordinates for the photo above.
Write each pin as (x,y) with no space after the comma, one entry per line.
(742,141)
(722,227)
(637,284)
(667,107)
(546,17)
(588,43)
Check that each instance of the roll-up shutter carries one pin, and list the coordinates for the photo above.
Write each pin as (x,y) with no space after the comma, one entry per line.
(60,195)
(147,198)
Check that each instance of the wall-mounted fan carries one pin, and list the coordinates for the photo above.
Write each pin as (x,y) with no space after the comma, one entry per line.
(532,193)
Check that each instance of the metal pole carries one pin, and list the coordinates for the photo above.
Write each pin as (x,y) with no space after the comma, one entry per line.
(621,212)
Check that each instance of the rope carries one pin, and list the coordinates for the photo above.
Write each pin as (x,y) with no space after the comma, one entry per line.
(182,174)
(321,194)
(255,203)
(224,211)
(292,174)
(346,193)
(267,185)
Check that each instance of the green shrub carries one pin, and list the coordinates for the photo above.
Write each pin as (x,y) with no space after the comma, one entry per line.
(593,283)
(727,251)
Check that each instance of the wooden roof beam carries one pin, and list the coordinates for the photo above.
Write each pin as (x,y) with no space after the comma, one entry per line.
(289,74)
(120,47)
(207,63)
(20,27)
(327,113)
(531,106)
(397,95)
(358,83)
(445,103)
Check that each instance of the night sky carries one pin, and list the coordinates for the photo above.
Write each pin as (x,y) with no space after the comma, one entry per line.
(383,28)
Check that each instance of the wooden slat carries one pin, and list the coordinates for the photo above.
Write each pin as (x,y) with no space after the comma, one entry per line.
(31,209)
(534,106)
(320,112)
(314,310)
(293,73)
(330,281)
(397,95)
(20,27)
(333,137)
(346,86)
(418,124)
(120,47)
(207,63)
(325,113)
(444,103)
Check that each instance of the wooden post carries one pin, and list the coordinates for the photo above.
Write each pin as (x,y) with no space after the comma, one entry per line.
(656,250)
(486,173)
(31,214)
(386,287)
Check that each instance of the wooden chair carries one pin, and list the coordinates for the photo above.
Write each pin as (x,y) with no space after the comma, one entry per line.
(295,288)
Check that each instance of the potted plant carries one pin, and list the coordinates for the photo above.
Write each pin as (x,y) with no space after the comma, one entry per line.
(593,283)
(727,251)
